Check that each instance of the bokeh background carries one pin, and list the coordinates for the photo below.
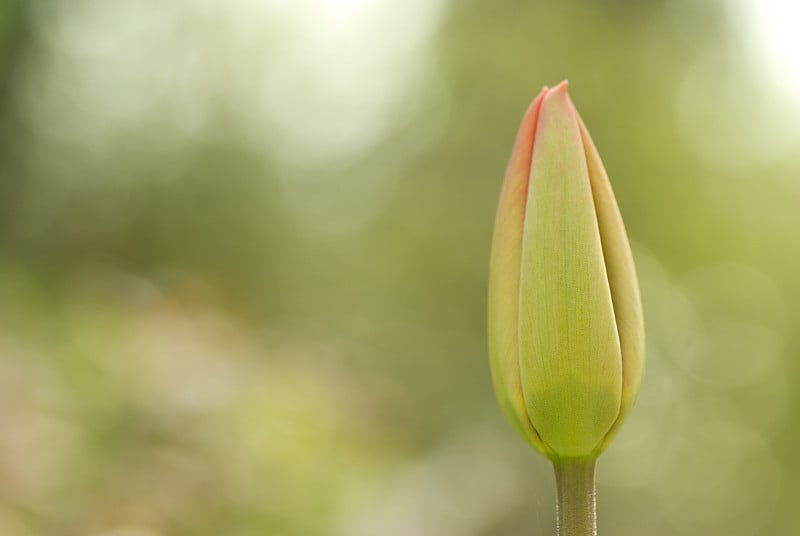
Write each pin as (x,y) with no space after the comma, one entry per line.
(244,247)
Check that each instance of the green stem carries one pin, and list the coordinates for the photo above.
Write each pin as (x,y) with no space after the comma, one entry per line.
(576,511)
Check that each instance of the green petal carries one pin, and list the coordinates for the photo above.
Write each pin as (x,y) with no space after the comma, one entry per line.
(504,280)
(570,360)
(622,281)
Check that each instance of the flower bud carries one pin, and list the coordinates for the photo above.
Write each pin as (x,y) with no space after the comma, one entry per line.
(566,335)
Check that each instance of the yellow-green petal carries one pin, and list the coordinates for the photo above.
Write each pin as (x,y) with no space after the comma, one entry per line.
(504,280)
(569,351)
(622,281)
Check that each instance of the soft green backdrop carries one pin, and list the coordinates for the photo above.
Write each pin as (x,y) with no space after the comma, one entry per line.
(244,248)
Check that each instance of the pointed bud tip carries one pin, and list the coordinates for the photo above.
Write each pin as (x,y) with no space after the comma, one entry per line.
(559,94)
(561,88)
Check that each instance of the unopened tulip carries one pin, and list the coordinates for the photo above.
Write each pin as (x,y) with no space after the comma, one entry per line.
(566,337)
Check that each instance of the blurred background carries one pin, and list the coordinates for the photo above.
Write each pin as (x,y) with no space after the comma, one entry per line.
(244,248)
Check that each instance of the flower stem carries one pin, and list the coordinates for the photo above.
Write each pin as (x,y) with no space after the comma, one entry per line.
(575,507)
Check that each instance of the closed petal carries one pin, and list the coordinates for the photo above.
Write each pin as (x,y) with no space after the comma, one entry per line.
(570,359)
(504,280)
(622,281)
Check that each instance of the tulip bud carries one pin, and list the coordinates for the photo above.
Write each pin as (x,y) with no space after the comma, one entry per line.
(566,336)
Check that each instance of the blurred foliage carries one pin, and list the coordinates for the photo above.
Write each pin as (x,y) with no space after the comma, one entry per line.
(244,254)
